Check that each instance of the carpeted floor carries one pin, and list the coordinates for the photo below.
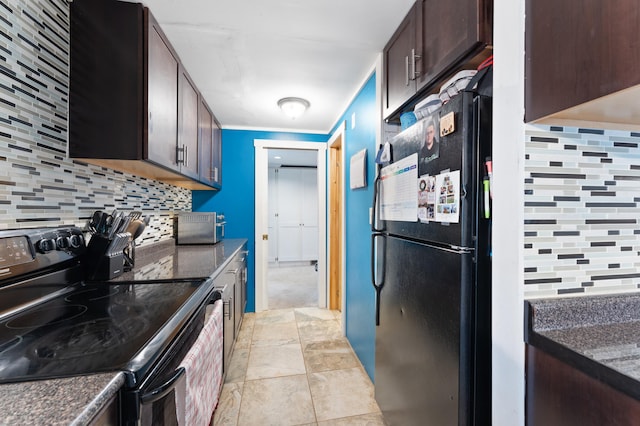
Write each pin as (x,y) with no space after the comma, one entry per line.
(292,285)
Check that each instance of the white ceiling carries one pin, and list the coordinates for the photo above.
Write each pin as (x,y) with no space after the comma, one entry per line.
(244,55)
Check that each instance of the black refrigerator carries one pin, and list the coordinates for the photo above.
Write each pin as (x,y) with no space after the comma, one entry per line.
(431,269)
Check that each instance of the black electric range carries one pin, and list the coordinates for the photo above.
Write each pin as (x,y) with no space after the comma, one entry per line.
(54,323)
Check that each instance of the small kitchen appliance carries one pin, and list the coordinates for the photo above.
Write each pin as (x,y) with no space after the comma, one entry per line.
(199,227)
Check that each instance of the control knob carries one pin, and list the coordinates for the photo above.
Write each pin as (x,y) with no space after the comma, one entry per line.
(76,241)
(62,243)
(46,245)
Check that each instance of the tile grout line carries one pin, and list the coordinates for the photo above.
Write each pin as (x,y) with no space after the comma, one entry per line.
(304,360)
(244,379)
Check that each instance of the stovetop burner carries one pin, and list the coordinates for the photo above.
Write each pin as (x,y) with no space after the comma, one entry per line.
(88,338)
(92,294)
(97,327)
(46,316)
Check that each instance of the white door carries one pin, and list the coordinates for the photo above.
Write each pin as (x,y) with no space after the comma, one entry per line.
(309,214)
(297,213)
(273,215)
(289,214)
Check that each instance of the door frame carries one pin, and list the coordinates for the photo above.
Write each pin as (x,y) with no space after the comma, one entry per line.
(339,136)
(261,147)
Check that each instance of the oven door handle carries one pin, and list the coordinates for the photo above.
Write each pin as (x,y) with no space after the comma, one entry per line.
(162,390)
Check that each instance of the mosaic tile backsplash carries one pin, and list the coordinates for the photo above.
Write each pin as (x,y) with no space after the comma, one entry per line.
(582,211)
(39,184)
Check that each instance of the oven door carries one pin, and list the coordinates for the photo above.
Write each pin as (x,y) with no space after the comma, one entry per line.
(158,406)
(153,402)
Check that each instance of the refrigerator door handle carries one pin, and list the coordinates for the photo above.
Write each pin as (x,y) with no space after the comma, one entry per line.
(377,285)
(376,191)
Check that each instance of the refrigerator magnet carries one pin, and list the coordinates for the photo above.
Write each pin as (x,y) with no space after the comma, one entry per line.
(447,124)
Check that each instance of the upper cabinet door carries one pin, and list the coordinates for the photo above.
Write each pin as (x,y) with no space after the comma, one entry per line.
(106,101)
(162,99)
(449,32)
(206,143)
(399,64)
(217,154)
(581,63)
(187,150)
(210,147)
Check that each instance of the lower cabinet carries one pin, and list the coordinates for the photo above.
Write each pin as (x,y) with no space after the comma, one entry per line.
(232,283)
(226,286)
(558,394)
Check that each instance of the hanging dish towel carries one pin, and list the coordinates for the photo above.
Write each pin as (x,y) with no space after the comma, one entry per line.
(203,365)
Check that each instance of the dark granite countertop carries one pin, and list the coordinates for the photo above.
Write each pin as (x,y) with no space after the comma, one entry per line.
(68,401)
(167,261)
(76,400)
(599,335)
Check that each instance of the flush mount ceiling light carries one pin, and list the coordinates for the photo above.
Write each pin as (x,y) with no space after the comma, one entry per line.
(293,107)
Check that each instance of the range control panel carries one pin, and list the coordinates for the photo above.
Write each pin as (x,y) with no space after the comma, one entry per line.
(60,239)
(28,250)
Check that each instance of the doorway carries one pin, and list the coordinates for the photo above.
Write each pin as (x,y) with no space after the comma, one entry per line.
(292,276)
(263,236)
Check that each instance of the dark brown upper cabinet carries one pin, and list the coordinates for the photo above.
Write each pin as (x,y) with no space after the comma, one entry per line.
(216,165)
(400,61)
(581,65)
(210,147)
(162,99)
(435,40)
(188,126)
(132,105)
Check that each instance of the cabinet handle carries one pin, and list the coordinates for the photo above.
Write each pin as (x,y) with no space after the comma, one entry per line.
(226,311)
(184,159)
(414,58)
(406,70)
(232,271)
(150,123)
(180,155)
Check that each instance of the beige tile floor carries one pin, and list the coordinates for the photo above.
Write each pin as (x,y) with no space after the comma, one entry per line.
(293,367)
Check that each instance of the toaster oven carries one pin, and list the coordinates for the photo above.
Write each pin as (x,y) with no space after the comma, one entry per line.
(199,227)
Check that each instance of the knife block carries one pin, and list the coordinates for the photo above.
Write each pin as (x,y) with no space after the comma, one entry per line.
(99,265)
(130,256)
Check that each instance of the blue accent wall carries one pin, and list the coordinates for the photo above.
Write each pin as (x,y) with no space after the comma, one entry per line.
(236,198)
(360,296)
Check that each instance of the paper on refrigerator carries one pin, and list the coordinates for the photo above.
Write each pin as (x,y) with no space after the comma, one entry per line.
(448,197)
(398,195)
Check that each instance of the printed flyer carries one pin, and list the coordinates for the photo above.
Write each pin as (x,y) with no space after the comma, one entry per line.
(426,198)
(398,198)
(448,198)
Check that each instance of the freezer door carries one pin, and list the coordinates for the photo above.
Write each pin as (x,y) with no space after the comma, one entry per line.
(423,345)
(464,150)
